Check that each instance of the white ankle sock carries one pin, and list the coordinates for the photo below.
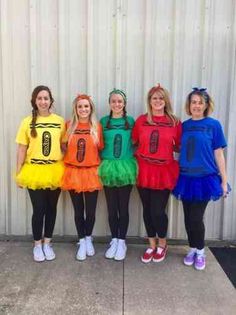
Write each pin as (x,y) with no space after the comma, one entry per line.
(200,251)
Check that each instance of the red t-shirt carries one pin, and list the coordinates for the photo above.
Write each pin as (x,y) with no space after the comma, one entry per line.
(156,142)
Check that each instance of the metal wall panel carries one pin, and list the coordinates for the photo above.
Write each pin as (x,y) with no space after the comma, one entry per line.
(93,46)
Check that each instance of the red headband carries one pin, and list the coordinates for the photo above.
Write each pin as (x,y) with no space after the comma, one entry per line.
(83,97)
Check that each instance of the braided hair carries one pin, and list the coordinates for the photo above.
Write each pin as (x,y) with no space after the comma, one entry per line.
(35,93)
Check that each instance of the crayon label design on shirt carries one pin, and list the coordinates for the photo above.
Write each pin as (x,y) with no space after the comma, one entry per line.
(117,145)
(46,143)
(154,141)
(81,145)
(190,150)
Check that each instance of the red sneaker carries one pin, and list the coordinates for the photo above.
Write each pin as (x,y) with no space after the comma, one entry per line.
(160,254)
(148,255)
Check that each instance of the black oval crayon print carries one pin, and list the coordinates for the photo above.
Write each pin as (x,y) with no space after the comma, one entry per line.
(46,143)
(154,141)
(81,144)
(117,146)
(190,151)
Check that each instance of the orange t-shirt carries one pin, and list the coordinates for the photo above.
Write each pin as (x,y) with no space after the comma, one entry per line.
(81,148)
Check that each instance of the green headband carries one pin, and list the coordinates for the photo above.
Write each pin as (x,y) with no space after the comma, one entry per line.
(120,92)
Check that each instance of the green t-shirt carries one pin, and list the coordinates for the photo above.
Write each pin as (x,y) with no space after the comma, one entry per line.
(117,140)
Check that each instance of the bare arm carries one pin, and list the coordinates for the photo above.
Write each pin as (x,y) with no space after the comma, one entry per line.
(220,161)
(21,154)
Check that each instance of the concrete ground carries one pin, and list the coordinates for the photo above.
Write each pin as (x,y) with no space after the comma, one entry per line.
(100,286)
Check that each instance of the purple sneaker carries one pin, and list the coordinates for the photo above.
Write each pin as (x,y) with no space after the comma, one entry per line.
(200,262)
(189,259)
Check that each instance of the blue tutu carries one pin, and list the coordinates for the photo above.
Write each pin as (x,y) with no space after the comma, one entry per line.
(203,188)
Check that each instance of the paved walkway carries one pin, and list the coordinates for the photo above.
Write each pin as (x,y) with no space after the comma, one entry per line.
(100,286)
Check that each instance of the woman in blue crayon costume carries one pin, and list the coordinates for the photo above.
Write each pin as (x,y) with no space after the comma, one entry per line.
(118,171)
(202,170)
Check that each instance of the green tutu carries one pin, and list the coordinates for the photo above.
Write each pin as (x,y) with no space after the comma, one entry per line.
(116,173)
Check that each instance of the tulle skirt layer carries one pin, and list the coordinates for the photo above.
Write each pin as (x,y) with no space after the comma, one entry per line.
(203,188)
(156,176)
(116,173)
(81,179)
(40,176)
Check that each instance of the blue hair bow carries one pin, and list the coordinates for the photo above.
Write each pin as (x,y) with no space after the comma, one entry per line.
(196,89)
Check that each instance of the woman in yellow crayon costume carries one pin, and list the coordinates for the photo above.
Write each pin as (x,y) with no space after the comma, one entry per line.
(40,167)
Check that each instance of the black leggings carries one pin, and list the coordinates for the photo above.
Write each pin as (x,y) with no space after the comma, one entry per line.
(154,211)
(84,201)
(118,209)
(44,202)
(194,225)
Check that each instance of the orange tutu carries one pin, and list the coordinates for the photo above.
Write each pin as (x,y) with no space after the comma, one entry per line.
(81,179)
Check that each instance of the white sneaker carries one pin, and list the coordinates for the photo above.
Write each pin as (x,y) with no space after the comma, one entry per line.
(111,251)
(121,250)
(48,252)
(90,251)
(81,252)
(38,253)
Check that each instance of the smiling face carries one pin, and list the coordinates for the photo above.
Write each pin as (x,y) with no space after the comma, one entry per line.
(117,105)
(83,110)
(43,103)
(197,106)
(157,104)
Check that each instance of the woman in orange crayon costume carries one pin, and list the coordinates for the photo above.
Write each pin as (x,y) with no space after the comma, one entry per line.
(84,140)
(39,167)
(157,135)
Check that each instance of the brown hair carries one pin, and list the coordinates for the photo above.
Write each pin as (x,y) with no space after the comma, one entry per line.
(35,93)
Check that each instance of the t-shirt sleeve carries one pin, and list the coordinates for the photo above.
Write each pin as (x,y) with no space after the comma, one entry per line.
(100,137)
(64,138)
(22,136)
(178,134)
(63,130)
(219,140)
(135,131)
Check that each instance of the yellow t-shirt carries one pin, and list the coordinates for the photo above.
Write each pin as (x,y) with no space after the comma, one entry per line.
(46,147)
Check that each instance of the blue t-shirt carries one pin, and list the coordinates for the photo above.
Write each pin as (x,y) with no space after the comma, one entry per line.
(199,140)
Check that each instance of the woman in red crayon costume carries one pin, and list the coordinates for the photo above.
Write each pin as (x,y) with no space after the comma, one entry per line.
(157,135)
(84,140)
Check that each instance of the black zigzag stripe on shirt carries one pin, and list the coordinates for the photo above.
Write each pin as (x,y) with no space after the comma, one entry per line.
(117,127)
(81,132)
(159,124)
(39,161)
(46,125)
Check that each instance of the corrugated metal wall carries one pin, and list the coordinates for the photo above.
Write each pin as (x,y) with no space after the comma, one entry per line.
(94,45)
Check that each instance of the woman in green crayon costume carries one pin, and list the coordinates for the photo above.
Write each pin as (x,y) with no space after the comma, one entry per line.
(118,171)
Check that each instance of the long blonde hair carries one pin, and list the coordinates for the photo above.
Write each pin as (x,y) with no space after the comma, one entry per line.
(92,118)
(168,107)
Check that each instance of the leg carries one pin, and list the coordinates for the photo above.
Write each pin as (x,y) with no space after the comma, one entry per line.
(187,212)
(124,195)
(51,212)
(78,204)
(145,196)
(90,205)
(38,200)
(196,223)
(112,199)
(159,199)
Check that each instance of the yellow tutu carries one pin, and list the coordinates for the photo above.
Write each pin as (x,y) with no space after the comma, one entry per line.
(38,176)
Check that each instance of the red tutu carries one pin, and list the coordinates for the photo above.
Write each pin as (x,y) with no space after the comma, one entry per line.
(81,179)
(157,176)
